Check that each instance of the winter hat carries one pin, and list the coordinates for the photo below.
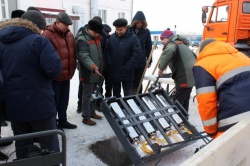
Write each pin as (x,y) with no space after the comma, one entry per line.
(120,22)
(139,16)
(17,13)
(166,34)
(205,43)
(107,28)
(95,26)
(97,18)
(33,8)
(64,18)
(36,17)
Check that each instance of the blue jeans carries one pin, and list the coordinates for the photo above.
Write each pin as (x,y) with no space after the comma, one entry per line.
(48,142)
(127,87)
(61,89)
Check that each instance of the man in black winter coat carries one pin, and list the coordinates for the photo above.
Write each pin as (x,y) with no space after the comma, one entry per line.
(139,28)
(122,55)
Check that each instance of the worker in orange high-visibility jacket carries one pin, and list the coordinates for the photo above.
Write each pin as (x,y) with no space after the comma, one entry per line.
(222,79)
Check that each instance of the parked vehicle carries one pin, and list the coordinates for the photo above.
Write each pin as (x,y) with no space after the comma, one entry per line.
(196,40)
(228,21)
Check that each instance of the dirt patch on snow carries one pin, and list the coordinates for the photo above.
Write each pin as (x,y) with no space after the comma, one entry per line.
(111,152)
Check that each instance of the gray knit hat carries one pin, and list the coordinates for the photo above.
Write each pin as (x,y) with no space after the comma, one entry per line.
(205,43)
(36,17)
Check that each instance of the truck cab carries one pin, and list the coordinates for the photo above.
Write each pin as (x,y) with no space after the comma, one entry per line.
(229,21)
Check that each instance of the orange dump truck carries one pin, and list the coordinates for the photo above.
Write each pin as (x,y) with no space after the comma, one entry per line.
(229,21)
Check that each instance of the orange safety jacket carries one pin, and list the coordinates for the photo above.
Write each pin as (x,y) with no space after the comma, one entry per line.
(222,79)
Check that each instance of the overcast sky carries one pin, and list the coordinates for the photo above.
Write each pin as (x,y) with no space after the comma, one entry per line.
(163,14)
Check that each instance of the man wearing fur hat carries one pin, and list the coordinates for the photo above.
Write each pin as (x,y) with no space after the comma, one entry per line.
(28,64)
(122,55)
(180,60)
(63,41)
(139,28)
(89,55)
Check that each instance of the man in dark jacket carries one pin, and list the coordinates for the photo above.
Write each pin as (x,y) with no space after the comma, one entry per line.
(63,41)
(122,55)
(139,28)
(180,60)
(106,72)
(89,55)
(28,63)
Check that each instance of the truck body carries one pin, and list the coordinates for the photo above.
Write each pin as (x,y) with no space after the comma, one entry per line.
(229,21)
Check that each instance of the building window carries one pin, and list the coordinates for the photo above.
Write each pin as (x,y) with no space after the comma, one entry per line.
(121,15)
(12,5)
(3,8)
(103,15)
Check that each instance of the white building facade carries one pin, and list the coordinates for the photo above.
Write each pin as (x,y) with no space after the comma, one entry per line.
(81,11)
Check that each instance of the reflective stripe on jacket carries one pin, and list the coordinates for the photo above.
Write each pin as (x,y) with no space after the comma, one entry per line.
(222,78)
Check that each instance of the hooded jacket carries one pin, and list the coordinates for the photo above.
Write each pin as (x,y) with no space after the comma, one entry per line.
(122,55)
(28,63)
(64,43)
(144,37)
(222,79)
(89,55)
(180,60)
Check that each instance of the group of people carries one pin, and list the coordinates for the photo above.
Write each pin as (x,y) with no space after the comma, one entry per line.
(37,63)
(120,58)
(220,74)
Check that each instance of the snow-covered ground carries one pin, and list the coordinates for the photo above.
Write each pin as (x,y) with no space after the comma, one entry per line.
(79,140)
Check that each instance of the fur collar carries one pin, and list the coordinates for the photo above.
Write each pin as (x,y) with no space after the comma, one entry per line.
(20,23)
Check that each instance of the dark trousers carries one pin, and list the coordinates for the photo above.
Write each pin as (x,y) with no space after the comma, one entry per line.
(48,142)
(80,95)
(88,107)
(127,87)
(61,89)
(108,83)
(183,96)
(137,79)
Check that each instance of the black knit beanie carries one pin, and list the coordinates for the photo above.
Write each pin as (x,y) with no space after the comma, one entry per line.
(97,18)
(205,43)
(17,13)
(95,26)
(36,17)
